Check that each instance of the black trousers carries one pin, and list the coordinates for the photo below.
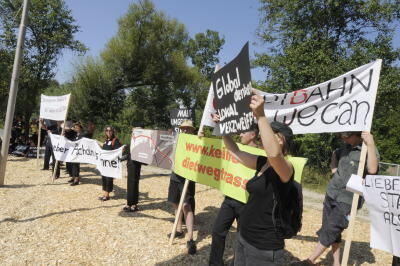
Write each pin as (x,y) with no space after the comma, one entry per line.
(132,196)
(108,183)
(229,211)
(74,169)
(47,153)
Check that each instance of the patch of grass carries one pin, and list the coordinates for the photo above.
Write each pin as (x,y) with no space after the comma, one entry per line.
(315,180)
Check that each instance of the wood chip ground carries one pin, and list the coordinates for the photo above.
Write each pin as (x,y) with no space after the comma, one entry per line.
(45,223)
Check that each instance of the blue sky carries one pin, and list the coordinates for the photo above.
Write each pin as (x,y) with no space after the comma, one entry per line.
(236,20)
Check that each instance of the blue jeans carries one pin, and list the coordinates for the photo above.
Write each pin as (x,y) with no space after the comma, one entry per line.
(247,255)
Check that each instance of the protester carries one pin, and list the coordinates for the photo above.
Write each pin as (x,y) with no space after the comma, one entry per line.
(174,194)
(54,128)
(132,197)
(111,143)
(259,242)
(89,132)
(70,134)
(75,167)
(338,201)
(230,208)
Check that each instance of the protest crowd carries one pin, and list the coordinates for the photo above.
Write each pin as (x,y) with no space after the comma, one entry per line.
(263,193)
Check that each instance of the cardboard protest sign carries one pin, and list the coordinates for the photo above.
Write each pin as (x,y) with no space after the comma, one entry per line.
(207,161)
(345,103)
(382,196)
(177,116)
(88,151)
(153,147)
(232,94)
(54,107)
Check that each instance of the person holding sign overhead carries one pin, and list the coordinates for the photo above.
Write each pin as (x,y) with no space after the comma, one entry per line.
(174,194)
(259,241)
(338,201)
(230,208)
(111,143)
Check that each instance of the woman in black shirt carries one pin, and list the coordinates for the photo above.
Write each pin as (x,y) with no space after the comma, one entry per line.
(111,143)
(259,242)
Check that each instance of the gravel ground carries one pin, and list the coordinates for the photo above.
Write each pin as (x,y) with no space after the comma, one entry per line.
(45,223)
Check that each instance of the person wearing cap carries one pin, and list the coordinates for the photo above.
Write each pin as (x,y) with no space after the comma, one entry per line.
(258,242)
(338,201)
(230,208)
(174,194)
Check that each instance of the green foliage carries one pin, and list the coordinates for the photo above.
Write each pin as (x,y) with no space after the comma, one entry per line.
(51,29)
(203,50)
(313,41)
(143,72)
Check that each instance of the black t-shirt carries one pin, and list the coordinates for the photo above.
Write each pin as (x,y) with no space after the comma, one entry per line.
(256,225)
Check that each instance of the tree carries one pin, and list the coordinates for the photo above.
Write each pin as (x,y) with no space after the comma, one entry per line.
(313,41)
(204,50)
(51,29)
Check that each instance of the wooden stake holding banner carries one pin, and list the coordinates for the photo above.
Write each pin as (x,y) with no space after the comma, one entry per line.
(178,214)
(179,211)
(62,134)
(39,138)
(360,172)
(354,205)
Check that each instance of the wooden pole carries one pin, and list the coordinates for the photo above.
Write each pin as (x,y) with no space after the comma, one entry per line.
(38,145)
(354,206)
(179,211)
(12,97)
(62,134)
(360,172)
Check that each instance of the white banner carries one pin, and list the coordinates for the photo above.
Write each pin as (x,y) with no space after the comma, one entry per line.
(345,103)
(88,151)
(382,196)
(54,107)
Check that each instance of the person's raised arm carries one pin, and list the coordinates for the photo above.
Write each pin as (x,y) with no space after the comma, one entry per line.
(271,143)
(372,159)
(247,159)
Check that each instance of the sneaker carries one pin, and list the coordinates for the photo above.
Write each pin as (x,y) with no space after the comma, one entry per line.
(191,246)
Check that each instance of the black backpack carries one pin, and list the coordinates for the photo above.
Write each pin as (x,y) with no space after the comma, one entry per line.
(287,214)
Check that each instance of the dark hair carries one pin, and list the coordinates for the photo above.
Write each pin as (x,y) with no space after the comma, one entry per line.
(286,132)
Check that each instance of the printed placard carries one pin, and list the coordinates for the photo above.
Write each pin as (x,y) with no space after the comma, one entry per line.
(177,117)
(207,161)
(153,147)
(382,196)
(232,94)
(88,151)
(54,107)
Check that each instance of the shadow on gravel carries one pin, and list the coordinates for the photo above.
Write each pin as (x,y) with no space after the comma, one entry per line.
(202,257)
(360,252)
(54,213)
